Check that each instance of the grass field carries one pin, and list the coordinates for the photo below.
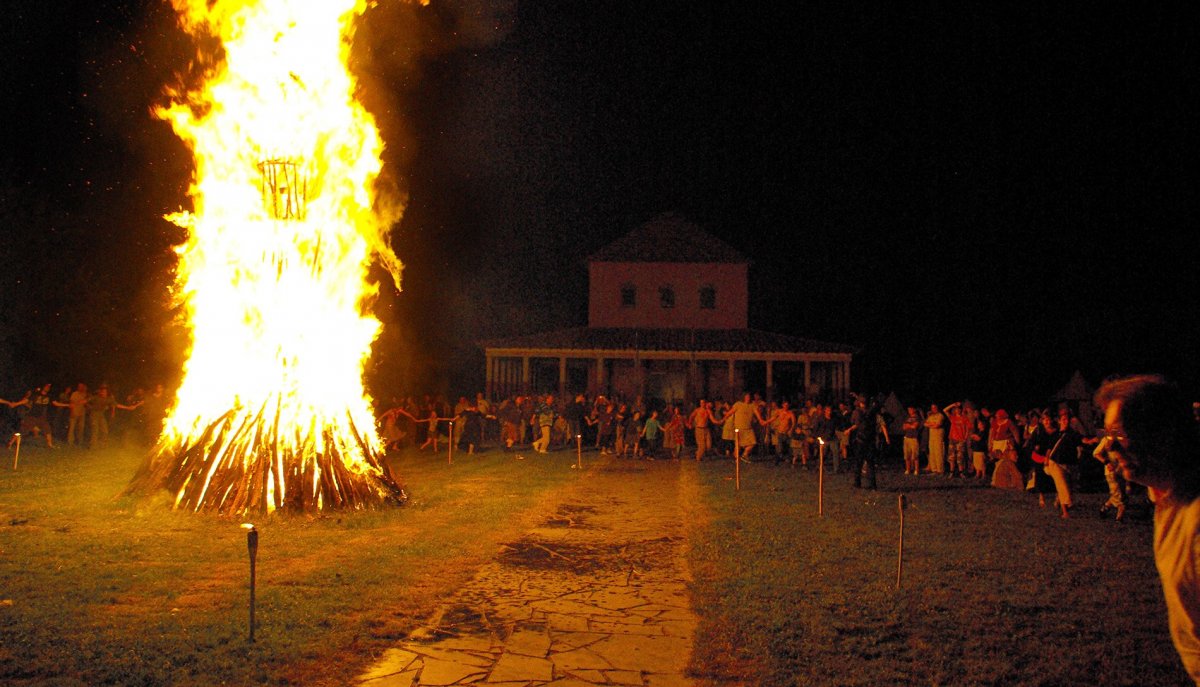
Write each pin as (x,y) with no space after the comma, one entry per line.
(100,589)
(995,590)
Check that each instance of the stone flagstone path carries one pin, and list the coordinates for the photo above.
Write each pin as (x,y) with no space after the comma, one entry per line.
(596,594)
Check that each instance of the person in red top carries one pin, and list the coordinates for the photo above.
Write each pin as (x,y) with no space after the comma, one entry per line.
(674,429)
(960,426)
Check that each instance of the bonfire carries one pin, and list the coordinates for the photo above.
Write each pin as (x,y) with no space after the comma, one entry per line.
(272,412)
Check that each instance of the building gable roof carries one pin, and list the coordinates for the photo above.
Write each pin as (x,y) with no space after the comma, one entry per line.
(668,238)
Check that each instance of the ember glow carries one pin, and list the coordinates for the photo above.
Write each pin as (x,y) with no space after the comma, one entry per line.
(272,411)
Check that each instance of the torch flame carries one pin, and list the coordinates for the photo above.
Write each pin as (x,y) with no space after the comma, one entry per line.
(273,272)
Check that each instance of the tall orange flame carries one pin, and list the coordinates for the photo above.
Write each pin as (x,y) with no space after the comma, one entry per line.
(272,409)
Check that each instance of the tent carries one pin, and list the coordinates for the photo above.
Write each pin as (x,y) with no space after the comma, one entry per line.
(1077,389)
(1077,394)
(894,408)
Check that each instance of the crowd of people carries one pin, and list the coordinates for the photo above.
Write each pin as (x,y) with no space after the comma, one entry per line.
(1144,440)
(1047,451)
(82,417)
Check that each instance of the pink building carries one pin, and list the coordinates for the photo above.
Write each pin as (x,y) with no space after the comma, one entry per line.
(667,319)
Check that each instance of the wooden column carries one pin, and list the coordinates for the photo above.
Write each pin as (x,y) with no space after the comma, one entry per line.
(770,380)
(694,390)
(562,376)
(489,384)
(524,375)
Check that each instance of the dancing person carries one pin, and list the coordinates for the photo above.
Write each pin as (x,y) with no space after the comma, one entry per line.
(100,406)
(1114,479)
(634,431)
(843,420)
(652,431)
(78,414)
(621,425)
(802,434)
(431,432)
(576,415)
(36,422)
(392,433)
(603,419)
(470,419)
(543,417)
(743,414)
(509,414)
(727,433)
(20,411)
(700,422)
(826,429)
(1043,440)
(781,421)
(675,430)
(1061,460)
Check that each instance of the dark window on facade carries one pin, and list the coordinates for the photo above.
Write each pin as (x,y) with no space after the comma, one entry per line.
(708,297)
(666,296)
(628,296)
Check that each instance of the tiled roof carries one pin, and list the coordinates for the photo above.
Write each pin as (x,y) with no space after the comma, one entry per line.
(668,238)
(629,339)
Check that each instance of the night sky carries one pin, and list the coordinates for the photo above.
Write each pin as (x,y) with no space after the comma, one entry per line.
(983,199)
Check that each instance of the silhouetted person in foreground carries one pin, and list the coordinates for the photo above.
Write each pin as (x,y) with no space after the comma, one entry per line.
(1149,430)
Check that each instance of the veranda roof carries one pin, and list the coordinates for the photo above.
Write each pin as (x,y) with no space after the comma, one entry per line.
(626,339)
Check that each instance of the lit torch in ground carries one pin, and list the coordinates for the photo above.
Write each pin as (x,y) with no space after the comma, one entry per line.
(252,547)
(821,477)
(737,460)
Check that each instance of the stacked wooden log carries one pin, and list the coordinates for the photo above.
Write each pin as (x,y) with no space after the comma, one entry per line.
(248,463)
